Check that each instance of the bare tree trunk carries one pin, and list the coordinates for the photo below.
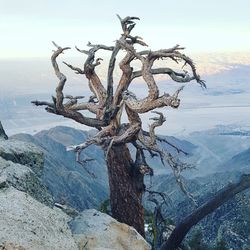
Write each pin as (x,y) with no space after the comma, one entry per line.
(126,188)
(219,199)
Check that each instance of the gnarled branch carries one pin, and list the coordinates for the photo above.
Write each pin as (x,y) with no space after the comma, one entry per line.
(62,78)
(57,107)
(146,104)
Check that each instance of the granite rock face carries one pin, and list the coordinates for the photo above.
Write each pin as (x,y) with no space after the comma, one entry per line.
(98,231)
(21,166)
(24,179)
(29,224)
(26,216)
(22,153)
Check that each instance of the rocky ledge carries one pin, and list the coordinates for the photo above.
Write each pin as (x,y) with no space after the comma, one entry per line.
(30,219)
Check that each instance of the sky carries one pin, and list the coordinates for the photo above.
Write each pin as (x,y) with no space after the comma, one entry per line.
(27,27)
(216,34)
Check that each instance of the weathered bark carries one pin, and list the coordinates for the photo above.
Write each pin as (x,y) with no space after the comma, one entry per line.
(219,199)
(2,132)
(126,188)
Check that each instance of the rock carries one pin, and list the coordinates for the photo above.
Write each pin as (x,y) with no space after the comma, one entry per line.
(98,231)
(2,133)
(10,246)
(3,182)
(23,153)
(24,179)
(29,224)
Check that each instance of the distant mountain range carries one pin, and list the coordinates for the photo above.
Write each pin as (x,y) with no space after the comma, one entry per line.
(220,149)
(240,162)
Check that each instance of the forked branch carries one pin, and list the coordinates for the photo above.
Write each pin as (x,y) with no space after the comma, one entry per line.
(69,109)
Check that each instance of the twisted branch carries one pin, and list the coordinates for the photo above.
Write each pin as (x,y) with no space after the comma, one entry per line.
(146,104)
(158,122)
(68,110)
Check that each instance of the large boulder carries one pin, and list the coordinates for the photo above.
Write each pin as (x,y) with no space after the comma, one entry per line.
(98,231)
(29,224)
(24,179)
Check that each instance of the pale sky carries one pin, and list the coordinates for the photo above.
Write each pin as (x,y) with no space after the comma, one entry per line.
(27,27)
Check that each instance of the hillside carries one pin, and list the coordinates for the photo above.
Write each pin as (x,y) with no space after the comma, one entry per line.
(239,161)
(230,222)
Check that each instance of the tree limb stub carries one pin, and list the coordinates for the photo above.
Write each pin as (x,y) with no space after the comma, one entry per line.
(77,70)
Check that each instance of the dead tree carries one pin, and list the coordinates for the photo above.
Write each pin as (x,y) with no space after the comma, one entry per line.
(108,103)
